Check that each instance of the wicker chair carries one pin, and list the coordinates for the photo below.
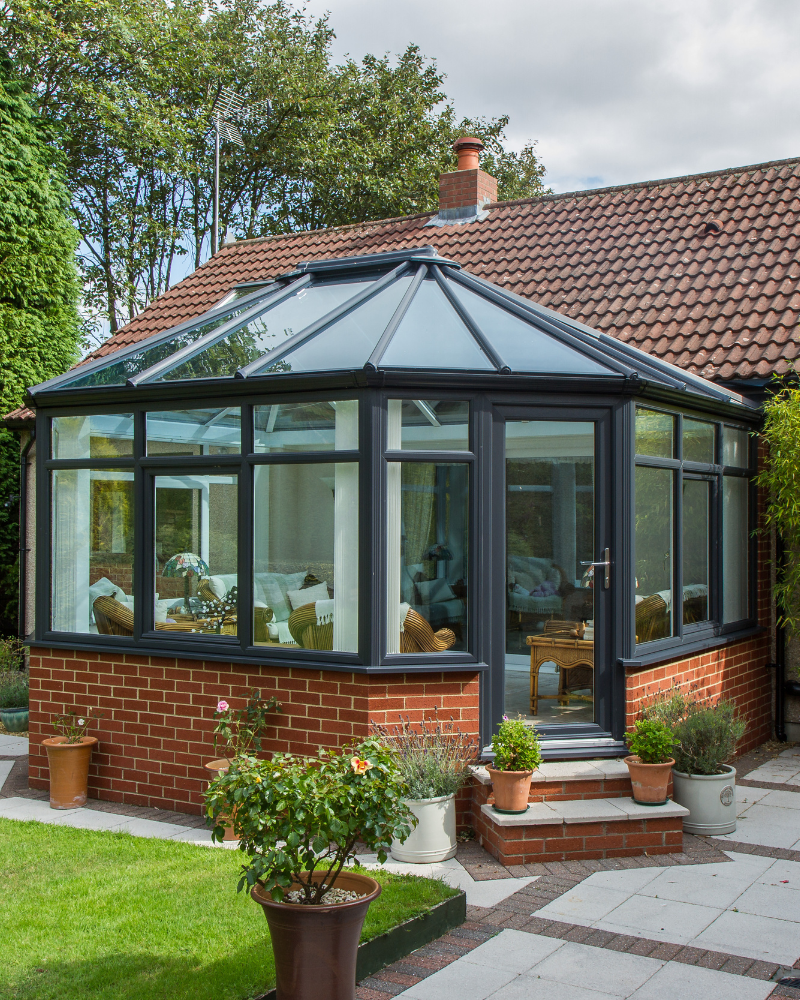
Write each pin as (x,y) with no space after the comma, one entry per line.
(305,631)
(652,618)
(417,637)
(115,618)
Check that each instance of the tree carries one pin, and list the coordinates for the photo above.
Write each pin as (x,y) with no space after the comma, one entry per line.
(131,86)
(39,326)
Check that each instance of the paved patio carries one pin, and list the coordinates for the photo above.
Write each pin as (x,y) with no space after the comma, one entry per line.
(718,921)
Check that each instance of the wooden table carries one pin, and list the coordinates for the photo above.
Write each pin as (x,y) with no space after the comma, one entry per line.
(567,654)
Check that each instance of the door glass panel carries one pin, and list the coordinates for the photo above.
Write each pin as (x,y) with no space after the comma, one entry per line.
(549,676)
(696,534)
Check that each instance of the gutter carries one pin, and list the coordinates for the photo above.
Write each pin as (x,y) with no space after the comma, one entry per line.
(780,660)
(23,533)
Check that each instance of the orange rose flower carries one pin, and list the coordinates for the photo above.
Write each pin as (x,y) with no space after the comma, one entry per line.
(359,765)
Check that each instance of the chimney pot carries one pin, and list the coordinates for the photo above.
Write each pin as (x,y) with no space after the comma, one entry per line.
(468,150)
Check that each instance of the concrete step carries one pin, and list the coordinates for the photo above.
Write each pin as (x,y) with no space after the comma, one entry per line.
(577,830)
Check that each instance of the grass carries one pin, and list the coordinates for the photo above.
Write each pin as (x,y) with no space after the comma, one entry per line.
(87,915)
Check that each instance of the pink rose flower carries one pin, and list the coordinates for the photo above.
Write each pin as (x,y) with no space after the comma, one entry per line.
(222,706)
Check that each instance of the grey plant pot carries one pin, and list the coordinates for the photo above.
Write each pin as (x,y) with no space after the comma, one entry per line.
(710,799)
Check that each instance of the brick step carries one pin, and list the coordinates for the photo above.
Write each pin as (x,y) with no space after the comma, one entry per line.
(557,780)
(578,830)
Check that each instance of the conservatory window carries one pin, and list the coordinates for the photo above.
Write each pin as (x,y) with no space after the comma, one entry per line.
(696,540)
(97,435)
(434,425)
(735,549)
(212,431)
(653,541)
(92,545)
(319,426)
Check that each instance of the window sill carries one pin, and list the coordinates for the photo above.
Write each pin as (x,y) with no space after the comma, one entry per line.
(679,651)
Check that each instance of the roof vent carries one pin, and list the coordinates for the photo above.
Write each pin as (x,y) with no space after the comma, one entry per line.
(464,193)
(712,227)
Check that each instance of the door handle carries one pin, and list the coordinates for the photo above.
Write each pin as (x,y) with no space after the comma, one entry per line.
(607,564)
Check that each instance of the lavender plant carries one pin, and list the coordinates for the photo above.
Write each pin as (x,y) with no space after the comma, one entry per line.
(432,756)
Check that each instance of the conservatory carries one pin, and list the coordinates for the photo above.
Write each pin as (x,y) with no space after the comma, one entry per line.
(386,465)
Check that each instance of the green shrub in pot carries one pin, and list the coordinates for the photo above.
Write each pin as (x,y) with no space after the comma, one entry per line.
(516,756)
(13,689)
(651,743)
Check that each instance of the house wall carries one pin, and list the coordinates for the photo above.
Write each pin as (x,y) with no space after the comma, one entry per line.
(157,723)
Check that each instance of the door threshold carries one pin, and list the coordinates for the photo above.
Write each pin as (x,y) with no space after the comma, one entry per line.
(579,748)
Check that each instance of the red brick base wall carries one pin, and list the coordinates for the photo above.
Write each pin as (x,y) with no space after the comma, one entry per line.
(157,723)
(738,672)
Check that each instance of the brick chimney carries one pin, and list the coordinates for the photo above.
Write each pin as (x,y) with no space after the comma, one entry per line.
(464,193)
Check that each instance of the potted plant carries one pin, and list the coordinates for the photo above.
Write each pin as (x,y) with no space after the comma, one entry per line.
(298,820)
(14,713)
(702,780)
(651,742)
(433,760)
(238,732)
(516,757)
(68,757)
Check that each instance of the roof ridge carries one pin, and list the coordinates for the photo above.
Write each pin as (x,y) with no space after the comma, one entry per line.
(631,185)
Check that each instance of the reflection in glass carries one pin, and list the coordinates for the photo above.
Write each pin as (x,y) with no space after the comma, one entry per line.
(319,426)
(98,435)
(696,537)
(522,346)
(735,447)
(211,431)
(427,556)
(432,424)
(735,549)
(273,327)
(305,584)
(349,341)
(653,542)
(699,439)
(432,335)
(654,433)
(92,546)
(196,540)
(549,664)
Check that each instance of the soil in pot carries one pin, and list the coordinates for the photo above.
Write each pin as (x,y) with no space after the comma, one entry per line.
(434,836)
(710,799)
(511,789)
(649,781)
(15,720)
(217,767)
(69,770)
(316,947)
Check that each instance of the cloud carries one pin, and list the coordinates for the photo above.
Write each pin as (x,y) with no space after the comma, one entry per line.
(614,90)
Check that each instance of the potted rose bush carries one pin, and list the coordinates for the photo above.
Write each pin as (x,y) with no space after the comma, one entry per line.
(651,743)
(433,758)
(68,757)
(516,757)
(298,820)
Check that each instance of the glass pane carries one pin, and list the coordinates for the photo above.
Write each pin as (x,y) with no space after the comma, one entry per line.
(305,559)
(521,345)
(212,431)
(428,424)
(99,435)
(735,447)
(696,536)
(654,433)
(247,344)
(92,550)
(319,426)
(549,663)
(196,542)
(735,549)
(432,335)
(349,341)
(428,557)
(699,439)
(653,541)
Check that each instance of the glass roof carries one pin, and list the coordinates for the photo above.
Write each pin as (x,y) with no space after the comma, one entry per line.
(407,310)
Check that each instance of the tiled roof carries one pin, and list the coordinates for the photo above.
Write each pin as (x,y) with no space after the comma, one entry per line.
(642,262)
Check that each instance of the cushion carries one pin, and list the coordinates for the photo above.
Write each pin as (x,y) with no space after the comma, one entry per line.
(434,591)
(297,598)
(275,587)
(220,585)
(105,588)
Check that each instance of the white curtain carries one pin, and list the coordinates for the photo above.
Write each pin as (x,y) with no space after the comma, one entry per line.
(71,513)
(393,528)
(345,532)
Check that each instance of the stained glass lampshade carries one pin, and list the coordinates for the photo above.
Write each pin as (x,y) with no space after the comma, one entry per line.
(187,565)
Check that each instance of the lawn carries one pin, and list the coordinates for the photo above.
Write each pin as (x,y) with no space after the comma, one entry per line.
(88,915)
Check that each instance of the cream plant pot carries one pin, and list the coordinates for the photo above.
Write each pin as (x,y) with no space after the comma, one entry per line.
(710,799)
(434,837)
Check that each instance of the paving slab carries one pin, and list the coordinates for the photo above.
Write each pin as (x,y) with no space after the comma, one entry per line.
(585,904)
(513,950)
(676,981)
(612,972)
(5,769)
(461,981)
(767,825)
(764,938)
(13,746)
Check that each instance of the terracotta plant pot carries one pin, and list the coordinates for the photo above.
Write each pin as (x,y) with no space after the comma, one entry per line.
(649,781)
(511,789)
(316,947)
(217,767)
(69,770)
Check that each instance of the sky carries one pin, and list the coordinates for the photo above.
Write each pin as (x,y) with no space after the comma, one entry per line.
(613,90)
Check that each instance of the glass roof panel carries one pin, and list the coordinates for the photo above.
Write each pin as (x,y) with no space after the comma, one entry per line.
(432,335)
(349,341)
(521,345)
(267,331)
